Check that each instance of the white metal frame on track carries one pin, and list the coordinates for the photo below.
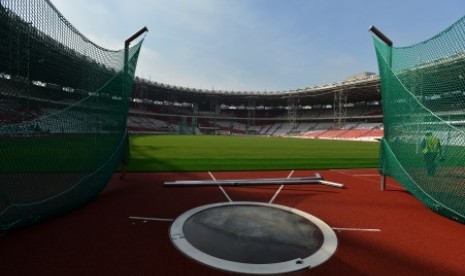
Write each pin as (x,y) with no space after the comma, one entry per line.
(317,179)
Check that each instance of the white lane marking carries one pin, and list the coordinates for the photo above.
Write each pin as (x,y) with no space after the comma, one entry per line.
(155,219)
(354,175)
(221,188)
(362,176)
(280,188)
(356,229)
(334,228)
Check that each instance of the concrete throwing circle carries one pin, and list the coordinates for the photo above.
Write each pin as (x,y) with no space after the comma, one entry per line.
(253,237)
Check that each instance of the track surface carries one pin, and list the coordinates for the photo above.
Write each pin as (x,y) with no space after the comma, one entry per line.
(124,231)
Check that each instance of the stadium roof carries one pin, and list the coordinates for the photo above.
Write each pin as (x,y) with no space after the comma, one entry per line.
(364,89)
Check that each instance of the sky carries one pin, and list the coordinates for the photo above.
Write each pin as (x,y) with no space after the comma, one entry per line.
(257,45)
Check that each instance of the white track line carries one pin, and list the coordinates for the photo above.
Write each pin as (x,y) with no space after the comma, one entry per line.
(155,219)
(145,219)
(221,188)
(363,176)
(356,229)
(280,188)
(354,175)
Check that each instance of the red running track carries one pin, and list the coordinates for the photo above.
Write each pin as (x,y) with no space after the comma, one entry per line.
(379,232)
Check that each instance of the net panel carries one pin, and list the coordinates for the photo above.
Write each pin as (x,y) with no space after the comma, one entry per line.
(423,97)
(63,112)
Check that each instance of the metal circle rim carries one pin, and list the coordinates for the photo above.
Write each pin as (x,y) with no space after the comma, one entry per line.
(327,249)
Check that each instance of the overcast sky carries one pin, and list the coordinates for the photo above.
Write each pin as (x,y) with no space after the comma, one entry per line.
(257,45)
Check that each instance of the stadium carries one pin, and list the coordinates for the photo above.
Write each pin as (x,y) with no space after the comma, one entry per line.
(103,172)
(350,109)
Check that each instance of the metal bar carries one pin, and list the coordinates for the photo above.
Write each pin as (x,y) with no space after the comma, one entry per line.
(134,36)
(126,56)
(235,182)
(240,183)
(252,179)
(317,179)
(380,35)
(383,182)
(333,184)
(155,219)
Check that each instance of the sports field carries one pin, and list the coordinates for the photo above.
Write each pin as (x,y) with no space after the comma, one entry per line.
(169,153)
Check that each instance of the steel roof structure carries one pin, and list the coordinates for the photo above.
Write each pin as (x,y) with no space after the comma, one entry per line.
(356,91)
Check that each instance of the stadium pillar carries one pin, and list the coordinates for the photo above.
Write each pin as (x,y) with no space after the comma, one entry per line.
(388,42)
(340,108)
(292,112)
(251,108)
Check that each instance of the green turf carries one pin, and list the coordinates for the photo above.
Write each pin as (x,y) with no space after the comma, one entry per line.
(155,153)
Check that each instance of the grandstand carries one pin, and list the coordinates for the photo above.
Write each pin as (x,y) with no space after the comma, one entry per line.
(350,109)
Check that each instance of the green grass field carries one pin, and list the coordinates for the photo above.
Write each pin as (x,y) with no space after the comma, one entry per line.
(167,153)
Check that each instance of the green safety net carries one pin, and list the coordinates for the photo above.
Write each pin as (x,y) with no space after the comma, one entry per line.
(63,113)
(423,92)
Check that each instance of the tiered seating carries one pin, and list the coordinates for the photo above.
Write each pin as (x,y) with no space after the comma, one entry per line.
(235,121)
(348,132)
(145,124)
